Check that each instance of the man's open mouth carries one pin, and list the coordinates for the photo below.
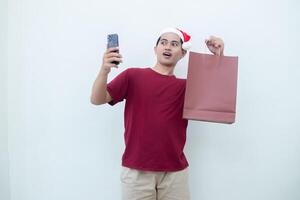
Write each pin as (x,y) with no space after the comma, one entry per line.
(167,54)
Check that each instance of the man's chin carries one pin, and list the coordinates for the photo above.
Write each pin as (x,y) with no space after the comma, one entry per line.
(168,64)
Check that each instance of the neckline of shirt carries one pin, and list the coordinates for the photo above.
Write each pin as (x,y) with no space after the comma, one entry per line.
(163,75)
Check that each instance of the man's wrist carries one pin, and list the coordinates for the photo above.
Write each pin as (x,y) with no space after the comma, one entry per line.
(103,72)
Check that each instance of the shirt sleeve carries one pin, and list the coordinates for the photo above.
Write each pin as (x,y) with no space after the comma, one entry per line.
(118,88)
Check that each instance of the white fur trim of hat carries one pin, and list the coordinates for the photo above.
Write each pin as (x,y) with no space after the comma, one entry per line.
(183,36)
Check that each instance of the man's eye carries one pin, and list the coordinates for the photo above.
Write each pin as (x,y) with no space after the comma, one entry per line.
(174,44)
(163,42)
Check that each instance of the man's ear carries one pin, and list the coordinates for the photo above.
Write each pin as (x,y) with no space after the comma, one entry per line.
(154,49)
(183,53)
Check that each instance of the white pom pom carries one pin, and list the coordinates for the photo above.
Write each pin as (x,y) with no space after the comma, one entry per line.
(186,45)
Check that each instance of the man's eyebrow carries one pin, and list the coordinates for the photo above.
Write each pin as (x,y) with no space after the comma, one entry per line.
(171,41)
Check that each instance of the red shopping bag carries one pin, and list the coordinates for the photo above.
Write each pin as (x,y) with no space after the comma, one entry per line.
(211,88)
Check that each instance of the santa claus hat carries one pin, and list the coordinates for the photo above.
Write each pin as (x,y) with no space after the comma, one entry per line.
(183,35)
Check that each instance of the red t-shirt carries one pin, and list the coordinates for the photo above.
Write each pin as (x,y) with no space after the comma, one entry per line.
(155,132)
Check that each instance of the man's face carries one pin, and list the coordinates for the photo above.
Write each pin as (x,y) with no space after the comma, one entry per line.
(169,50)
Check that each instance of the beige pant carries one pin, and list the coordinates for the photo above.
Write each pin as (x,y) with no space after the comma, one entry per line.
(146,185)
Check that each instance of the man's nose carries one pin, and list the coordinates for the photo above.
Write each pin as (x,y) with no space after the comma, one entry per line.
(168,47)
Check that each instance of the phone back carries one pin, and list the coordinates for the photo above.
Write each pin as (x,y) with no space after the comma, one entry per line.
(112,40)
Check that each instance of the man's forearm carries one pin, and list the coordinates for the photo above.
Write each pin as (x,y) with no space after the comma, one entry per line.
(99,89)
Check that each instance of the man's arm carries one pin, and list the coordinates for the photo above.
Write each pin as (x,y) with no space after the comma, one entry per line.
(100,94)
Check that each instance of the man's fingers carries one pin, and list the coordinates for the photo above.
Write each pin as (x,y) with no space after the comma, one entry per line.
(215,41)
(112,49)
(216,44)
(109,60)
(113,54)
(210,42)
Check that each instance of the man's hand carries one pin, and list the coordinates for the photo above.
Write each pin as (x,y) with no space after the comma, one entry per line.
(109,56)
(215,45)
(100,94)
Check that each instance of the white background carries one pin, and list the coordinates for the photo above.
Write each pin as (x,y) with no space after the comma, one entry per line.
(56,145)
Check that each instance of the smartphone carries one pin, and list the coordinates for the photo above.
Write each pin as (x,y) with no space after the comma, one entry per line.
(113,41)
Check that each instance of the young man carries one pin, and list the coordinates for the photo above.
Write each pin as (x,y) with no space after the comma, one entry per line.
(153,164)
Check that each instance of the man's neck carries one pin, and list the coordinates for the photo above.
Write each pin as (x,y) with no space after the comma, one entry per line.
(165,70)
